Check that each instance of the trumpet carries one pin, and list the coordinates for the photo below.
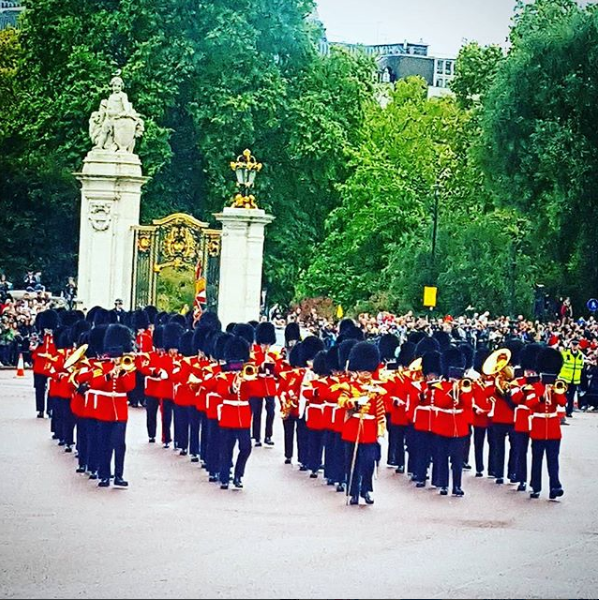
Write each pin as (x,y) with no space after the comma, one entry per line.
(560,387)
(465,385)
(249,371)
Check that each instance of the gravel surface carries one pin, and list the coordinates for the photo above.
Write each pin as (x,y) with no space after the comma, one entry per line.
(172,534)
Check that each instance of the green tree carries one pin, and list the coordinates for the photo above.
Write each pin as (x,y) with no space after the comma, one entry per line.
(540,139)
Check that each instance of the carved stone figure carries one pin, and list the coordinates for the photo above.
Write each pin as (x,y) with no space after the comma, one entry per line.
(115,125)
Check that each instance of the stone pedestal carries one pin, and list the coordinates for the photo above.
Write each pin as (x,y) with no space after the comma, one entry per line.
(242,249)
(110,199)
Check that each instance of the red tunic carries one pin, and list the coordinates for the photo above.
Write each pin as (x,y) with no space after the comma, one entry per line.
(545,419)
(234,408)
(451,407)
(423,415)
(143,341)
(289,388)
(481,402)
(265,384)
(522,412)
(316,396)
(108,393)
(159,375)
(363,424)
(42,356)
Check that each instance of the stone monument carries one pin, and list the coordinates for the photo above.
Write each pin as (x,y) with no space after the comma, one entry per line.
(242,248)
(111,181)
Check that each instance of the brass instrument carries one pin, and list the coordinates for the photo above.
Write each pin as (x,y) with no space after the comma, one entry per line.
(560,386)
(288,405)
(77,356)
(465,385)
(498,364)
(249,371)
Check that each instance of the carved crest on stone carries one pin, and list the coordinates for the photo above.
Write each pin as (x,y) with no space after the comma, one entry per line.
(100,215)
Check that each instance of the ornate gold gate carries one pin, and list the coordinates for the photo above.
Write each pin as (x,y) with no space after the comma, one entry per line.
(167,256)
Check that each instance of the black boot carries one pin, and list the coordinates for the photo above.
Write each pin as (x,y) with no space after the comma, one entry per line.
(93,476)
(354,500)
(522,487)
(40,415)
(120,482)
(400,469)
(195,459)
(287,461)
(443,492)
(555,493)
(368,498)
(340,487)
(224,486)
(313,475)
(269,442)
(458,492)
(535,494)
(237,482)
(104,483)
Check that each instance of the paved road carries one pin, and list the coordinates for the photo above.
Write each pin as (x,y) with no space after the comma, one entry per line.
(172,534)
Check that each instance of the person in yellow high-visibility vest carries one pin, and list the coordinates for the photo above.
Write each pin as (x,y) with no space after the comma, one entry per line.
(571,372)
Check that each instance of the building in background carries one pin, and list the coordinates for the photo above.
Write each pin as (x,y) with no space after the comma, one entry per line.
(9,12)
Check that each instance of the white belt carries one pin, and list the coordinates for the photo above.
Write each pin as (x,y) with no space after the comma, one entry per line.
(151,378)
(544,415)
(316,407)
(236,402)
(422,408)
(208,398)
(364,416)
(333,404)
(96,393)
(520,407)
(450,411)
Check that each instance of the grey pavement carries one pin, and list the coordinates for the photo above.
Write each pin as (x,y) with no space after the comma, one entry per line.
(173,534)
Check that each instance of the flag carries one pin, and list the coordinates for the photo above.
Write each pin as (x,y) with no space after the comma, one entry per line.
(200,290)
(339,312)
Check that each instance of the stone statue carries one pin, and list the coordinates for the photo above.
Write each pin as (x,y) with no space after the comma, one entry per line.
(116,125)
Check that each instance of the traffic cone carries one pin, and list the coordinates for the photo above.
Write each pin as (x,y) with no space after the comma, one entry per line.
(20,367)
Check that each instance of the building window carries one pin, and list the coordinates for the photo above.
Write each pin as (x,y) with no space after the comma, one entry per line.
(439,82)
(448,69)
(440,67)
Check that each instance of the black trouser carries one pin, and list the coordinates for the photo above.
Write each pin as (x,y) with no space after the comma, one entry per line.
(82,443)
(450,448)
(337,460)
(39,383)
(303,456)
(227,446)
(410,444)
(329,469)
(511,462)
(480,433)
(256,406)
(315,449)
(54,415)
(93,445)
(435,449)
(194,415)
(152,404)
(213,447)
(520,441)
(66,421)
(467,444)
(551,449)
(136,395)
(499,431)
(166,407)
(112,442)
(289,426)
(361,478)
(572,387)
(181,426)
(422,445)
(397,436)
(203,436)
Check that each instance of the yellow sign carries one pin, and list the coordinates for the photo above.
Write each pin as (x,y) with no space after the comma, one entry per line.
(430,296)
(339,312)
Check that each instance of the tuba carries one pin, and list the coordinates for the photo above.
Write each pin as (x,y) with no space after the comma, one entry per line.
(498,364)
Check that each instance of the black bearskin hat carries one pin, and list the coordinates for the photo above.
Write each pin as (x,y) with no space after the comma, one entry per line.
(549,361)
(388,344)
(528,356)
(177,318)
(468,352)
(62,338)
(209,341)
(344,350)
(514,345)
(162,318)
(319,365)
(101,317)
(453,363)
(79,328)
(237,349)
(91,314)
(140,320)
(443,338)
(253,323)
(186,344)
(96,339)
(364,356)
(266,334)
(151,311)
(158,337)
(426,344)
(353,333)
(68,318)
(47,319)
(230,327)
(171,335)
(406,354)
(246,331)
(219,343)
(199,339)
(346,325)
(479,358)
(292,333)
(416,336)
(295,357)
(333,359)
(117,340)
(310,347)
(210,321)
(431,363)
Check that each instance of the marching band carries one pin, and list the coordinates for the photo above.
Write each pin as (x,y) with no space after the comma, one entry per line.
(427,396)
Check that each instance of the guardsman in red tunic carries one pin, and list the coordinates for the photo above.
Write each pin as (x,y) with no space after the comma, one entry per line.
(363,401)
(184,394)
(388,344)
(60,391)
(155,382)
(292,337)
(482,388)
(316,396)
(234,413)
(333,457)
(452,398)
(42,353)
(264,389)
(111,381)
(521,435)
(544,398)
(140,323)
(290,383)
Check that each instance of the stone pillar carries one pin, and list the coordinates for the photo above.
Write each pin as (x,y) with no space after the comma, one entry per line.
(242,249)
(110,199)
